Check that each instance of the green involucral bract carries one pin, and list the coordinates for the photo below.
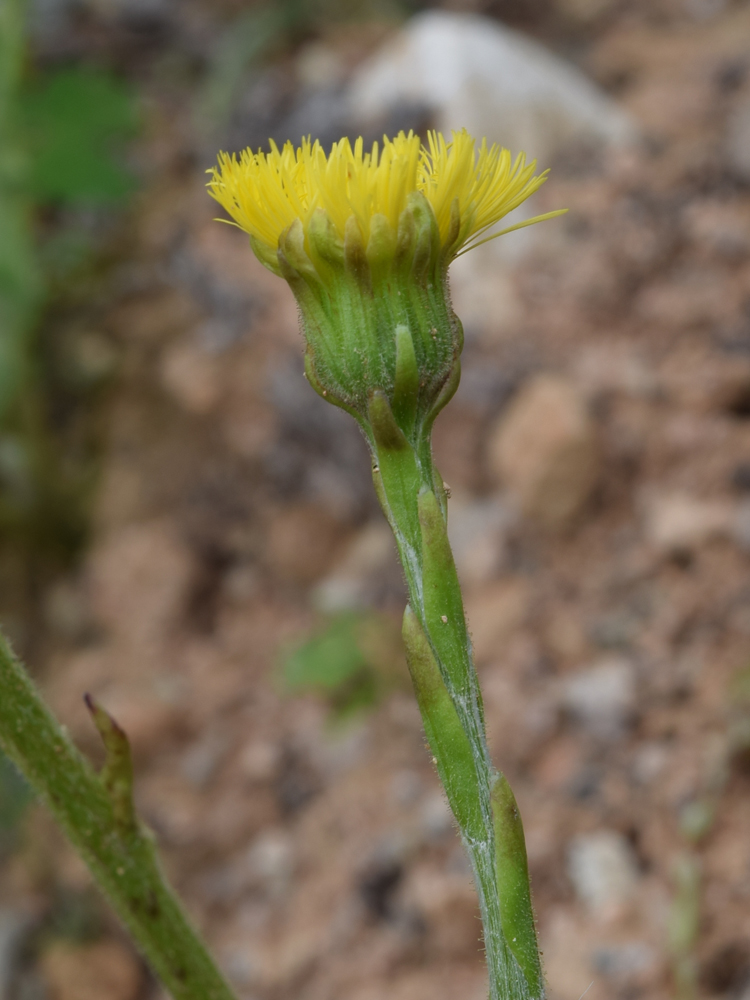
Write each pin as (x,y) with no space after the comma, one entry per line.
(376,318)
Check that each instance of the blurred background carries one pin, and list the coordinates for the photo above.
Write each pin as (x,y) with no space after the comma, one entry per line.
(189,533)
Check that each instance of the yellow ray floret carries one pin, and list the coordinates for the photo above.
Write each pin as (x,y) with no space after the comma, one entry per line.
(265,192)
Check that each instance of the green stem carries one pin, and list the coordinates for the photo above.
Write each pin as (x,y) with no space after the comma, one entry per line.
(96,813)
(438,648)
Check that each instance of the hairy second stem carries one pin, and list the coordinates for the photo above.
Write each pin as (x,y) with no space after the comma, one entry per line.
(95,811)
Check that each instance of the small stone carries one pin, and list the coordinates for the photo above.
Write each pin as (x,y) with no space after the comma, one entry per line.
(741,526)
(300,542)
(603,870)
(624,962)
(260,760)
(66,610)
(406,787)
(737,139)
(200,761)
(476,530)
(677,523)
(603,697)
(436,817)
(494,612)
(102,971)
(740,479)
(544,449)
(270,861)
(720,226)
(140,581)
(191,376)
(12,928)
(649,762)
(367,555)
(319,66)
(614,367)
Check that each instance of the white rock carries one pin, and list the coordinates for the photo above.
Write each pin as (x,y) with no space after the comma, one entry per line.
(474,73)
(603,869)
(270,861)
(677,522)
(544,450)
(603,697)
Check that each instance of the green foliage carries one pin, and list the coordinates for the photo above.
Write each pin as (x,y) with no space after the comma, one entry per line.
(352,662)
(61,142)
(20,281)
(243,43)
(683,924)
(75,122)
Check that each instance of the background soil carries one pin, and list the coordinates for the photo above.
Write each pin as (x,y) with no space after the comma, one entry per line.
(612,641)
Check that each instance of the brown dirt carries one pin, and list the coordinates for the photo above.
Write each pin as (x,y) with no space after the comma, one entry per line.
(321,862)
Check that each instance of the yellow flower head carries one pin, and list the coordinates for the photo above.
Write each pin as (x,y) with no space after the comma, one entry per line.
(364,239)
(469,190)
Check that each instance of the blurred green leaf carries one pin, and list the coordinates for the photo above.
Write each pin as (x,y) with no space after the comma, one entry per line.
(76,122)
(20,279)
(327,660)
(352,661)
(241,45)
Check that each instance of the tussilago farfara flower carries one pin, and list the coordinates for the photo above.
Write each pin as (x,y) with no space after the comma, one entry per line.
(468,190)
(364,239)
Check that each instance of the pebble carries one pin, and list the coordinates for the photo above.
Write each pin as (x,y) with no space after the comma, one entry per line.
(677,523)
(347,586)
(603,870)
(300,540)
(201,760)
(544,450)
(494,612)
(12,927)
(476,531)
(473,72)
(602,698)
(737,139)
(741,526)
(192,377)
(623,962)
(106,970)
(436,817)
(140,580)
(270,861)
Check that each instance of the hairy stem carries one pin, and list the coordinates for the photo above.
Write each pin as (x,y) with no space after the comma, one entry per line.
(438,648)
(96,813)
